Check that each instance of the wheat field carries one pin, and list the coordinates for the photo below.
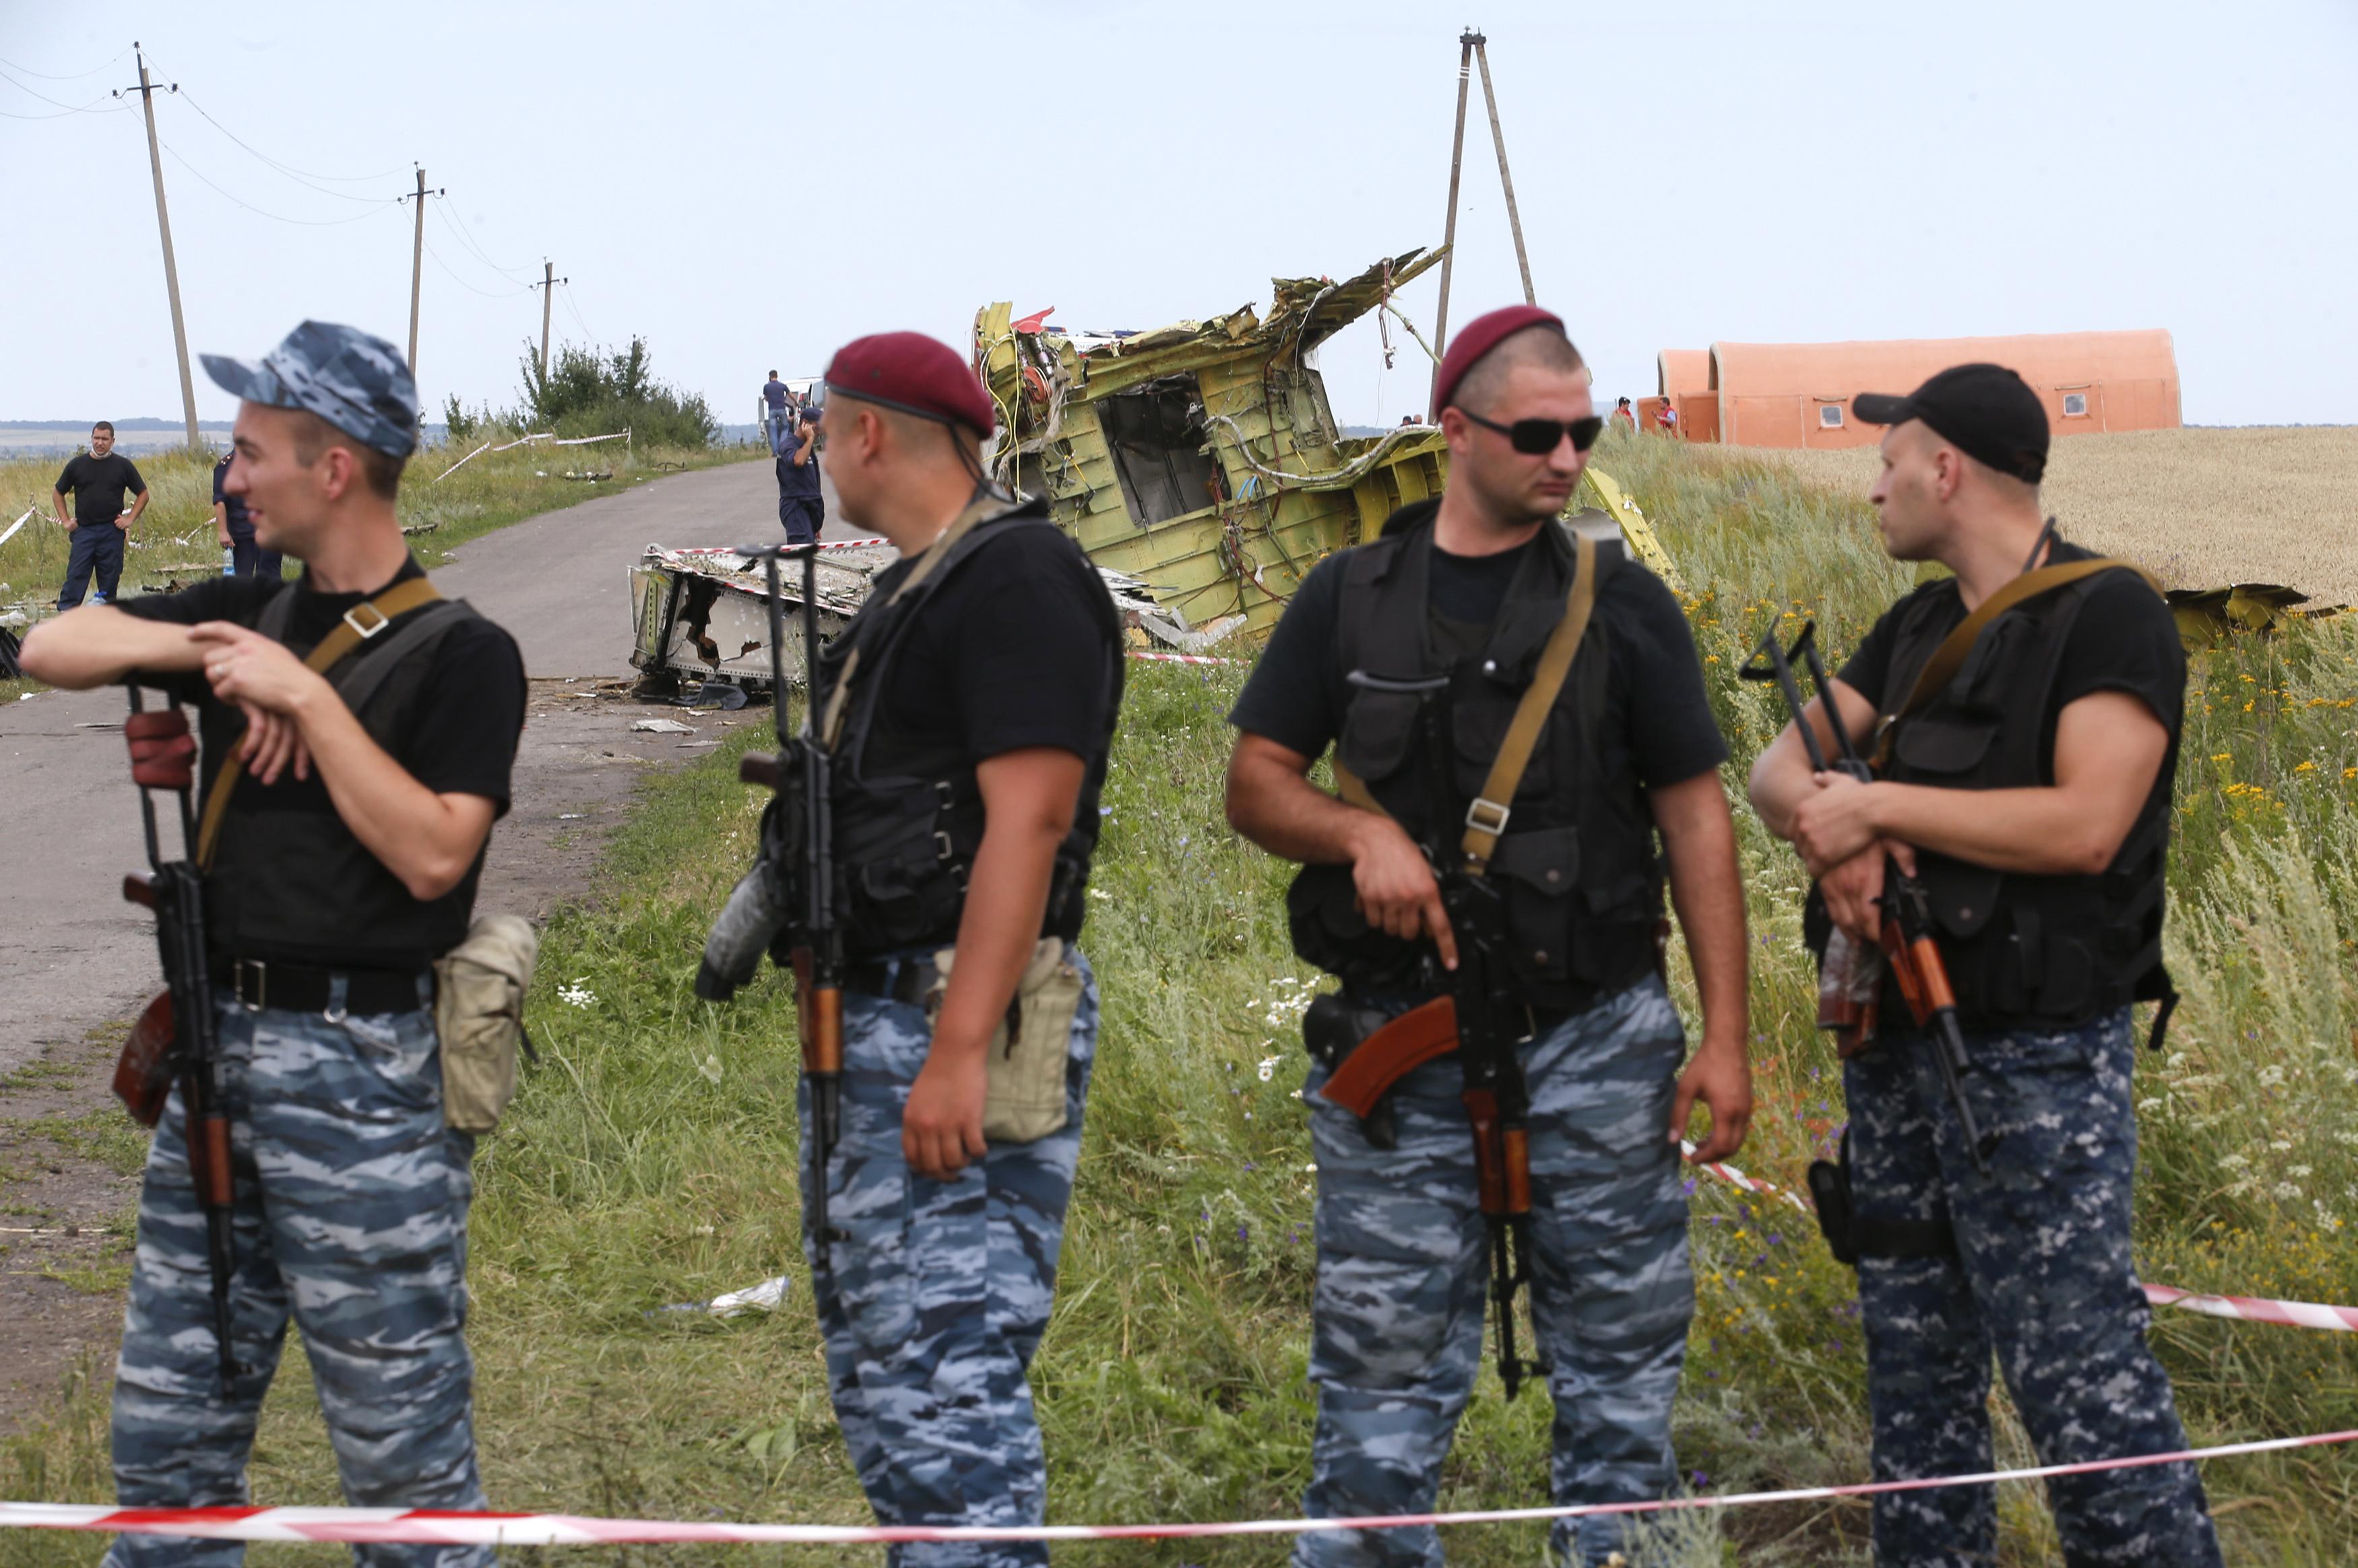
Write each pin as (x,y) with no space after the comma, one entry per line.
(2200,508)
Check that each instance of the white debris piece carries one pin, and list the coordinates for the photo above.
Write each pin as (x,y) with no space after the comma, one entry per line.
(663,726)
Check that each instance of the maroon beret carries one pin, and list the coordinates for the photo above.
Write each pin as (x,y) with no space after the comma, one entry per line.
(1478,337)
(914,373)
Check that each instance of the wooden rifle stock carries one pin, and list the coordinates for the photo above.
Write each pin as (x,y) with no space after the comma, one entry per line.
(139,888)
(1417,1036)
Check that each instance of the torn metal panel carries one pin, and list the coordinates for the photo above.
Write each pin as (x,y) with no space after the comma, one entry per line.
(1203,457)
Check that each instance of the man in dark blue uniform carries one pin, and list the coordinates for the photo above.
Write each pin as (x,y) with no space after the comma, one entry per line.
(2025,774)
(234,529)
(802,508)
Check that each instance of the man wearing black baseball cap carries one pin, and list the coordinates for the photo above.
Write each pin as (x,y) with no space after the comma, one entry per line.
(2025,715)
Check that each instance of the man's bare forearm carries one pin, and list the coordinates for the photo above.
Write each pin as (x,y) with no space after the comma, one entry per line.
(58,505)
(1707,893)
(97,645)
(429,840)
(1271,801)
(2042,830)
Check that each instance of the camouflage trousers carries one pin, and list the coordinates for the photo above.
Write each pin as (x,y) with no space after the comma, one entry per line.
(1403,1273)
(936,1293)
(351,1216)
(2042,1278)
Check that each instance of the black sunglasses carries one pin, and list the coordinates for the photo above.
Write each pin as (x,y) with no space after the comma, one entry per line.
(1537,437)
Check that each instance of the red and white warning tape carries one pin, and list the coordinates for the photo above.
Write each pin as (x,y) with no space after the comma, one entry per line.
(2244,1309)
(1179,658)
(434,1527)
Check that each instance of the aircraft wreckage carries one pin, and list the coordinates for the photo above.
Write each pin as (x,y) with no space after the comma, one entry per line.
(1199,465)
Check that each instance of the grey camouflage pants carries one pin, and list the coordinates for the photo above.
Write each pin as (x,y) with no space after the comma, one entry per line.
(2044,1280)
(938,1293)
(351,1218)
(1404,1277)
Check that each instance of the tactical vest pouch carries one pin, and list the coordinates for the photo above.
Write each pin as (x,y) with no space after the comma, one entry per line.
(1024,1097)
(479,991)
(1851,1236)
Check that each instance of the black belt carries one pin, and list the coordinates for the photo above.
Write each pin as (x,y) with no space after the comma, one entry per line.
(256,984)
(908,986)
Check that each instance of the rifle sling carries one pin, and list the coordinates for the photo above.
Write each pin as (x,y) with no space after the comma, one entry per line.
(1949,656)
(1485,819)
(346,635)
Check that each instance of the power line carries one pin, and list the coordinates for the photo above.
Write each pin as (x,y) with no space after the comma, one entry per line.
(300,176)
(382,206)
(468,235)
(58,103)
(574,311)
(487,294)
(75,76)
(443,211)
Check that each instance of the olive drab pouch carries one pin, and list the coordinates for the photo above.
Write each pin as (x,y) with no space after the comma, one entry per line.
(1024,1099)
(479,991)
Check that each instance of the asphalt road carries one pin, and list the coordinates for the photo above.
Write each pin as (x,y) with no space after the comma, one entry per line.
(74,956)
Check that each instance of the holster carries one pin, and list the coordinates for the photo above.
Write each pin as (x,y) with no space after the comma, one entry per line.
(1851,1236)
(1366,1050)
(143,1074)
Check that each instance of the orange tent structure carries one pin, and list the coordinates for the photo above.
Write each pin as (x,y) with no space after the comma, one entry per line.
(1798,394)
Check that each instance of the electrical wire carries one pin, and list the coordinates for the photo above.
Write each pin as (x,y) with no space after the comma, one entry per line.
(259,212)
(450,217)
(305,181)
(573,311)
(487,294)
(58,103)
(75,76)
(468,235)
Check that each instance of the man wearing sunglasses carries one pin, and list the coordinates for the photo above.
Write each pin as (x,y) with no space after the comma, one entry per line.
(1457,604)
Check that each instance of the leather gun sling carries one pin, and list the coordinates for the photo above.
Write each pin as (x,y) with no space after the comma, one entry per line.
(1949,656)
(1419,1035)
(389,606)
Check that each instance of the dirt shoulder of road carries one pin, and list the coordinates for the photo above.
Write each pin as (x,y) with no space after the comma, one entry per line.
(69,1156)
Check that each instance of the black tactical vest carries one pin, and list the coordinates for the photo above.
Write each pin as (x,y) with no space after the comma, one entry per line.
(2022,949)
(908,807)
(1578,863)
(297,885)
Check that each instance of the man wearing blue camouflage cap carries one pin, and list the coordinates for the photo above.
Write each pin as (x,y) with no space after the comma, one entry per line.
(358,732)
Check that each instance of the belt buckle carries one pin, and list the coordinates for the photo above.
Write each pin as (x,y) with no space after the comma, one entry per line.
(352,619)
(260,974)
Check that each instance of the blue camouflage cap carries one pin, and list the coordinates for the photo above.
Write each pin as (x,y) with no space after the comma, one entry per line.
(355,382)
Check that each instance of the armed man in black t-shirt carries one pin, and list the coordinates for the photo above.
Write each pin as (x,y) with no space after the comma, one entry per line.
(358,733)
(1517,712)
(966,713)
(98,480)
(2025,715)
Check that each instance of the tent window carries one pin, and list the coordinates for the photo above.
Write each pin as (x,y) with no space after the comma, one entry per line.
(1156,436)
(2075,405)
(1830,416)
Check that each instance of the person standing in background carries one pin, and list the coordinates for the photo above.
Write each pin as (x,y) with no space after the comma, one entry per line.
(98,479)
(802,508)
(234,530)
(780,402)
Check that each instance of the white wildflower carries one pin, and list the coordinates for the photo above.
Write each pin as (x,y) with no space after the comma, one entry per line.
(710,1068)
(2287,1190)
(1268,1069)
(2281,1145)
(2299,1172)
(1311,1170)
(577,994)
(2152,1102)
(2235,1162)
(2272,1077)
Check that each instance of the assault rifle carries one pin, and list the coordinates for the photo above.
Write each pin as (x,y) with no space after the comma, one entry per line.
(176,1037)
(792,885)
(1847,995)
(1482,1019)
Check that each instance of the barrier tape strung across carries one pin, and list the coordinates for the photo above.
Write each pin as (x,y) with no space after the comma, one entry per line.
(440,1528)
(2244,1309)
(18,523)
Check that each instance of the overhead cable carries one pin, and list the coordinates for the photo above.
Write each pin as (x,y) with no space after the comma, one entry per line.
(58,103)
(297,175)
(468,235)
(486,293)
(74,76)
(384,206)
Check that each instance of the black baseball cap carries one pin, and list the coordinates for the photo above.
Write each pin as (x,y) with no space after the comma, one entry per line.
(1986,411)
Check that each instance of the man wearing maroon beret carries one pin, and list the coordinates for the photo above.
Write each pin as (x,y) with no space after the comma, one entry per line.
(970,708)
(1421,642)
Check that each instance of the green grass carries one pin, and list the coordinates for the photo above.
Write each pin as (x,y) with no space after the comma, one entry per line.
(494,490)
(650,1159)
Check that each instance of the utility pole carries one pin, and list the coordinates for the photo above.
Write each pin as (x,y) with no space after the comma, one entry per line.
(1506,180)
(416,266)
(146,91)
(548,287)
(1466,42)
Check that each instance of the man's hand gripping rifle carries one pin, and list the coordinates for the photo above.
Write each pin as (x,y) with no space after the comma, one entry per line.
(788,897)
(176,1038)
(1853,971)
(1480,1018)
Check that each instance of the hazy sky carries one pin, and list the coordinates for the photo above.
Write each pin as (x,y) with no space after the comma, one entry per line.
(749,184)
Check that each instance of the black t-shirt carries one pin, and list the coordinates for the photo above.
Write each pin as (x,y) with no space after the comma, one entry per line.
(2124,639)
(238,524)
(460,736)
(1008,652)
(1658,727)
(98,485)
